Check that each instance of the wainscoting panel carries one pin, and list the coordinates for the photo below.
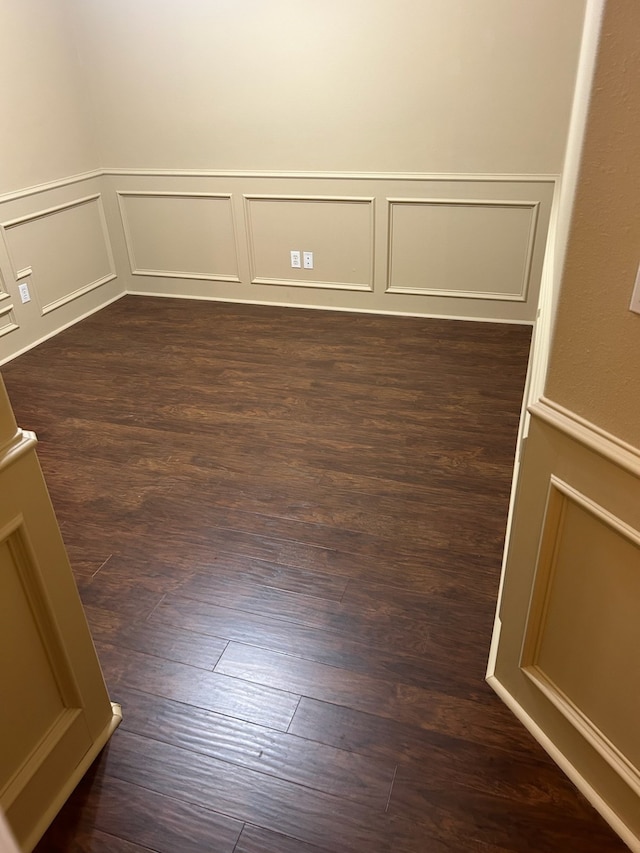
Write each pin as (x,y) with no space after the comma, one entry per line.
(569,616)
(176,235)
(53,702)
(7,319)
(470,247)
(4,293)
(339,232)
(457,247)
(589,563)
(64,251)
(55,715)
(54,238)
(461,246)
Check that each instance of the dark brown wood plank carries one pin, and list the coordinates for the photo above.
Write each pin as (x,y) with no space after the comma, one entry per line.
(254,839)
(233,569)
(430,669)
(216,692)
(89,840)
(506,769)
(382,697)
(277,805)
(421,798)
(116,814)
(310,816)
(304,761)
(176,644)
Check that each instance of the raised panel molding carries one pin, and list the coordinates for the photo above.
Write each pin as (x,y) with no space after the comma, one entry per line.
(55,710)
(588,567)
(51,690)
(66,249)
(483,247)
(608,446)
(7,320)
(4,293)
(220,249)
(567,629)
(339,230)
(172,240)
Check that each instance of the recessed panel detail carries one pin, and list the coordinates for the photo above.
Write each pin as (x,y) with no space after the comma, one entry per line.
(464,248)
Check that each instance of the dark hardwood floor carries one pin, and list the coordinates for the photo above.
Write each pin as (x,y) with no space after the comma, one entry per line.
(286,527)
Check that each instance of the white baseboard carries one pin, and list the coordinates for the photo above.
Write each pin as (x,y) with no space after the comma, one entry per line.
(347,310)
(565,764)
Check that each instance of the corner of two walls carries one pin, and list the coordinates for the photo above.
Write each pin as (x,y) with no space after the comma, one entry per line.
(413,149)
(460,246)
(56,241)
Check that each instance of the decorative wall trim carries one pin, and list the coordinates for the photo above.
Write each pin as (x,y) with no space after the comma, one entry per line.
(72,781)
(40,214)
(517,296)
(69,297)
(11,325)
(20,444)
(332,289)
(605,443)
(340,176)
(347,199)
(559,493)
(80,177)
(50,211)
(314,284)
(346,310)
(51,185)
(4,293)
(248,198)
(566,765)
(61,328)
(14,534)
(135,270)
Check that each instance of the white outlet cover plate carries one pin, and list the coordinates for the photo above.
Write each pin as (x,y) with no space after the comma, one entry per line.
(23,289)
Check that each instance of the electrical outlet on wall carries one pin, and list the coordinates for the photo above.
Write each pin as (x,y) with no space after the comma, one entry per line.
(295,259)
(23,290)
(307,260)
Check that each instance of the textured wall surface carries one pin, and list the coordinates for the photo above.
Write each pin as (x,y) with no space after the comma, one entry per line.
(595,362)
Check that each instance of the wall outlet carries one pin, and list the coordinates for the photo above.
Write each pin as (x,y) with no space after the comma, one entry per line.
(307,260)
(295,260)
(23,290)
(635,296)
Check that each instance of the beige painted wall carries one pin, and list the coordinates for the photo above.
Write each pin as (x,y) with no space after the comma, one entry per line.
(596,355)
(364,86)
(354,85)
(53,233)
(44,131)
